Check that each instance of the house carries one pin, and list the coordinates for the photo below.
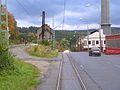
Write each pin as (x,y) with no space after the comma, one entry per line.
(79,43)
(95,39)
(48,33)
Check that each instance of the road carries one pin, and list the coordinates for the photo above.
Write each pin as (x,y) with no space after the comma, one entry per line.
(103,71)
(97,73)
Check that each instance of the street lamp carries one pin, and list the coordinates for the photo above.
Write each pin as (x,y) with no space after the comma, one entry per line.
(99,28)
(87,27)
(54,46)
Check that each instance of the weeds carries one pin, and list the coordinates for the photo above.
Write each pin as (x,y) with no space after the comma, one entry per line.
(42,51)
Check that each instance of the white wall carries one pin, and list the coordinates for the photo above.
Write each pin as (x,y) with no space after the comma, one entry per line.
(93,38)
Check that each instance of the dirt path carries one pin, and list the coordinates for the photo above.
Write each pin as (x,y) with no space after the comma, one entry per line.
(20,53)
(48,67)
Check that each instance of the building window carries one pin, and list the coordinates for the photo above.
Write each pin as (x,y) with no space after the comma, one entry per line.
(97,42)
(104,42)
(89,42)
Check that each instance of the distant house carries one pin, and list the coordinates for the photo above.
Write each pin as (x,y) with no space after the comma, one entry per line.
(48,33)
(94,40)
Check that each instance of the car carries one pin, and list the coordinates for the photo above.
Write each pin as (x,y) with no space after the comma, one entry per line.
(95,52)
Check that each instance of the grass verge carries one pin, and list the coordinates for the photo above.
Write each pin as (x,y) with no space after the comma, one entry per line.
(42,51)
(20,78)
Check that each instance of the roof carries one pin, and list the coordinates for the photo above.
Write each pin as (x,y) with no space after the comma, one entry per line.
(96,34)
(48,28)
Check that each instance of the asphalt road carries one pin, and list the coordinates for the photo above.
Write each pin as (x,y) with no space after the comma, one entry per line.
(69,78)
(104,71)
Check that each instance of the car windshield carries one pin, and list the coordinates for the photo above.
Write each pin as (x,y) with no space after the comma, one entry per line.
(95,49)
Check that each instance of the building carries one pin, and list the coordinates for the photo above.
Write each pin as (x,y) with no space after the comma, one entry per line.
(48,33)
(79,43)
(112,45)
(95,39)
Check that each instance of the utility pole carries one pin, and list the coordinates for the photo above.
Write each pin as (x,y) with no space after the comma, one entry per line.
(4,21)
(43,24)
(54,46)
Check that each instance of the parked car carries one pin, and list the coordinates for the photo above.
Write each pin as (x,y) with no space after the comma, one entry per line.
(95,52)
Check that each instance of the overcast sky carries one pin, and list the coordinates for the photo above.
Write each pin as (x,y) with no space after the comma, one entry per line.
(28,13)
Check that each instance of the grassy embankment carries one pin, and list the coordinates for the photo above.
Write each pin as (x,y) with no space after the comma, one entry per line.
(19,78)
(42,51)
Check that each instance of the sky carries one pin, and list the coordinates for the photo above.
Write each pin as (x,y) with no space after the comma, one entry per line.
(75,13)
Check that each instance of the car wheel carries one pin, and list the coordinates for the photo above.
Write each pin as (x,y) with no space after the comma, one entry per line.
(90,54)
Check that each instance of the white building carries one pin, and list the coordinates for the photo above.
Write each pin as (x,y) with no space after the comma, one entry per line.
(93,40)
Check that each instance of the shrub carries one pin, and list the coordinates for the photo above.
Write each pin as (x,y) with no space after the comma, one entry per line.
(42,51)
(44,42)
(6,59)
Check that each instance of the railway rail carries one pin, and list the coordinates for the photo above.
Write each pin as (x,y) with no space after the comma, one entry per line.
(75,68)
(81,82)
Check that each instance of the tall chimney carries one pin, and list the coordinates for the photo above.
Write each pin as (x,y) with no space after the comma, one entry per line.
(105,17)
(43,24)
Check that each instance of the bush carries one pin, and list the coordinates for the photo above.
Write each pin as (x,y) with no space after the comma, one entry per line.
(44,42)
(6,59)
(42,51)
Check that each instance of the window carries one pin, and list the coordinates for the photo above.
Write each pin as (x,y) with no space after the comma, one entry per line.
(97,42)
(104,42)
(89,42)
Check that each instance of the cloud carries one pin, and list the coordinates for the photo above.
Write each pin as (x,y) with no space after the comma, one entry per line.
(28,12)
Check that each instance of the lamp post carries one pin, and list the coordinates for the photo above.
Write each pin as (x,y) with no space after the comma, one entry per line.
(54,44)
(99,28)
(87,27)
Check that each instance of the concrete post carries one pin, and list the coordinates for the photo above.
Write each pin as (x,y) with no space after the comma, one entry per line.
(105,17)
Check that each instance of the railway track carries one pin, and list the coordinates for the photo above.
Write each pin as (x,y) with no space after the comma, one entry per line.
(81,82)
(58,85)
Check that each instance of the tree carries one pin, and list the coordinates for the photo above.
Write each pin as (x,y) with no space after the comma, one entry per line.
(31,36)
(12,24)
(64,43)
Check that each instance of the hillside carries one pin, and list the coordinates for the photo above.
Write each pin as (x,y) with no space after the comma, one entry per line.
(68,34)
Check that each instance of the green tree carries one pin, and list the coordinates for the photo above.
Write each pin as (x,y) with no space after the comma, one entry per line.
(64,43)
(31,37)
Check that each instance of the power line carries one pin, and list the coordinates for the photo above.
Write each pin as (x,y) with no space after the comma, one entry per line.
(64,14)
(58,25)
(23,7)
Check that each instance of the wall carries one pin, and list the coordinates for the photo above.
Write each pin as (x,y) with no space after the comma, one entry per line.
(113,45)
